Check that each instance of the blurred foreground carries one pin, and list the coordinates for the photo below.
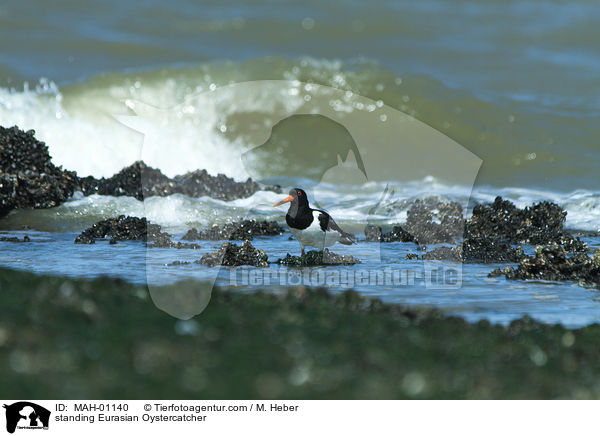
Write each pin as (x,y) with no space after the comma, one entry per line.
(104,339)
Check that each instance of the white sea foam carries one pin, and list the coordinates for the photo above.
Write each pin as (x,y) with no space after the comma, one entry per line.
(77,138)
(98,130)
(349,204)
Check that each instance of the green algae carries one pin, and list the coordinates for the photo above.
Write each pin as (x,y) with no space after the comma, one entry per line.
(65,338)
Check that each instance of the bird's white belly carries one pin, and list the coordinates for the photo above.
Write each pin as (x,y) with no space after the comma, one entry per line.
(314,237)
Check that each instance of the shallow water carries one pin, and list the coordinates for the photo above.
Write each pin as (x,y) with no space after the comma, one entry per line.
(477,296)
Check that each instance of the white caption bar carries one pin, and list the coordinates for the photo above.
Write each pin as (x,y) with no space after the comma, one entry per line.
(152,417)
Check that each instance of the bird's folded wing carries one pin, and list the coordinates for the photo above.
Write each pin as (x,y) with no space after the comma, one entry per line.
(328,224)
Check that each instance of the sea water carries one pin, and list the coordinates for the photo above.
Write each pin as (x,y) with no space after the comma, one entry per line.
(515,83)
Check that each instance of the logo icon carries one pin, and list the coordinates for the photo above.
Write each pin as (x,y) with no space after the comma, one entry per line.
(26,415)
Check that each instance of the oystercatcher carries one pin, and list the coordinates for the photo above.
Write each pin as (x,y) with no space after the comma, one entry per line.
(312,227)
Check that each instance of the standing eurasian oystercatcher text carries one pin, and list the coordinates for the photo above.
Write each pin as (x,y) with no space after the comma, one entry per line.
(312,227)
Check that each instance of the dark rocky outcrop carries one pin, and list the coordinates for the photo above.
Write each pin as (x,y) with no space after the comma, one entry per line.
(137,180)
(397,234)
(453,254)
(128,228)
(489,233)
(28,178)
(178,263)
(231,254)
(238,231)
(122,228)
(166,242)
(15,239)
(430,221)
(552,262)
(140,181)
(199,183)
(318,258)
(490,250)
(478,250)
(542,223)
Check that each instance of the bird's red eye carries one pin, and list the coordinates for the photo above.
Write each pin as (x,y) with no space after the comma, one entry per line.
(299,193)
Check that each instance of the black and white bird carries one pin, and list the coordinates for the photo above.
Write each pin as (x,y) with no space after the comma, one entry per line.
(312,227)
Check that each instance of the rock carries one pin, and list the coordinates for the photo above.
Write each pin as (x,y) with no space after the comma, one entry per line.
(231,254)
(499,272)
(28,178)
(159,239)
(397,234)
(551,262)
(493,228)
(137,180)
(130,228)
(199,183)
(141,181)
(477,250)
(412,256)
(431,221)
(542,223)
(318,258)
(573,244)
(178,262)
(490,250)
(372,233)
(238,231)
(166,242)
(122,228)
(499,218)
(453,254)
(14,239)
(193,235)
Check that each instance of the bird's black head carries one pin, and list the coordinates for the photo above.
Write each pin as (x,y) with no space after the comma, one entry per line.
(297,197)
(300,196)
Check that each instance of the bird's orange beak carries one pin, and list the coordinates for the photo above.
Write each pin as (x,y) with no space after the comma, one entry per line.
(285,200)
